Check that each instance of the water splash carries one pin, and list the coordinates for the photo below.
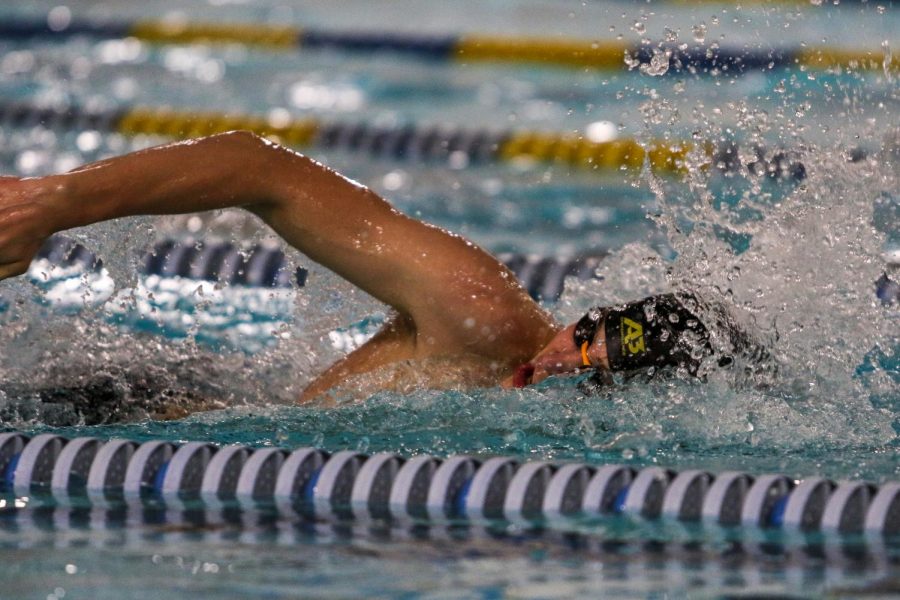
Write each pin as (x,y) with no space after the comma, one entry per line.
(797,271)
(79,347)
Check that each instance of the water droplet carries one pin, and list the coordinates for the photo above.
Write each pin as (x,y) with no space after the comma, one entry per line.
(633,62)
(888,60)
(699,31)
(659,63)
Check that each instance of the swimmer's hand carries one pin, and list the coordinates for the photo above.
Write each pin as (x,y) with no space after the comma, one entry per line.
(25,223)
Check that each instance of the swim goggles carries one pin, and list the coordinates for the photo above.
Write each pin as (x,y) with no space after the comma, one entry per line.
(586,330)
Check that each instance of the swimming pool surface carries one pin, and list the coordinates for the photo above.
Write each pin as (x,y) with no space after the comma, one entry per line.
(795,259)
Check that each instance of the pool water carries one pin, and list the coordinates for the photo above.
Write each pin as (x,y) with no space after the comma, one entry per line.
(796,261)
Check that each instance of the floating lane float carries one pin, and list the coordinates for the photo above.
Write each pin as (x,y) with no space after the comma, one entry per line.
(563,52)
(425,143)
(264,266)
(352,484)
(267,266)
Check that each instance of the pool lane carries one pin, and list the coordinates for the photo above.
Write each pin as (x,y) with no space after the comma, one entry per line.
(563,52)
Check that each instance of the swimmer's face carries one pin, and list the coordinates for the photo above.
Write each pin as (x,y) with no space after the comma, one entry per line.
(560,356)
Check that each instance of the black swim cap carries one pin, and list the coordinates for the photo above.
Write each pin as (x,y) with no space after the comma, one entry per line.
(586,328)
(658,331)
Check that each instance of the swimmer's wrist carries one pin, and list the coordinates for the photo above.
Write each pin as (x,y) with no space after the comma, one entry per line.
(42,198)
(61,210)
(70,204)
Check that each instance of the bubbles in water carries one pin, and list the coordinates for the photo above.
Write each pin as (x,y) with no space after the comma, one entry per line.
(633,62)
(798,270)
(795,266)
(59,18)
(699,31)
(888,61)
(17,62)
(659,63)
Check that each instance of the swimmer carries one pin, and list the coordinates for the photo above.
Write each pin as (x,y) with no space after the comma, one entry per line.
(453,303)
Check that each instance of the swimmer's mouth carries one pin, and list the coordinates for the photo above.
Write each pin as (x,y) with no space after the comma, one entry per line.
(523,375)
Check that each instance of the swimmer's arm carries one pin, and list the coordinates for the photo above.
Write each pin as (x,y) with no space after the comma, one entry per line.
(394,342)
(458,296)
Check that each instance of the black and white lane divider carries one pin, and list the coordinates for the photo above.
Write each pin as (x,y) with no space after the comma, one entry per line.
(355,485)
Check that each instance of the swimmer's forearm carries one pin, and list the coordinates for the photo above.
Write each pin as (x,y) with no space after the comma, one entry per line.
(459,296)
(216,172)
(212,173)
(331,219)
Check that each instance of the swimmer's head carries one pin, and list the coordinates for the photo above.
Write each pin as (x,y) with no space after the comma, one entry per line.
(657,332)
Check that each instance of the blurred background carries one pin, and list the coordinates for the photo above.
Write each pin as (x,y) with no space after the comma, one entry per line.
(606,150)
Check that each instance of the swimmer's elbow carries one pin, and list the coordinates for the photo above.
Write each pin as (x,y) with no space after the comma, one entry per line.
(248,151)
(247,146)
(267,167)
(241,139)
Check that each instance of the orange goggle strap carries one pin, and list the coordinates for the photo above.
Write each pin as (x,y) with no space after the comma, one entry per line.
(586,330)
(585,359)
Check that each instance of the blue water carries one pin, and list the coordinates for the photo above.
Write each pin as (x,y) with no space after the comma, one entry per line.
(805,252)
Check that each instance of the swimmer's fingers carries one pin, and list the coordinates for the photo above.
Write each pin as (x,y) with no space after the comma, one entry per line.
(16,254)
(21,236)
(25,222)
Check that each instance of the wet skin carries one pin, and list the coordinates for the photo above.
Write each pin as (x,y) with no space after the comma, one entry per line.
(560,356)
(451,300)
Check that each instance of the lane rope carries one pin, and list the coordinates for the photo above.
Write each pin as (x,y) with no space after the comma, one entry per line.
(267,266)
(562,52)
(352,484)
(417,142)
